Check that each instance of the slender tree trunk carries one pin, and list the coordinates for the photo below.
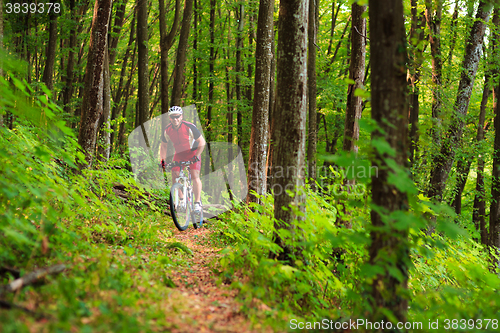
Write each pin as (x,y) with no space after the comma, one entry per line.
(81,78)
(463,168)
(260,116)
(195,48)
(356,73)
(494,235)
(290,130)
(142,62)
(121,90)
(443,161)
(416,36)
(271,122)
(454,32)
(335,13)
(211,84)
(117,28)
(104,133)
(229,114)
(1,47)
(50,52)
(166,42)
(479,208)
(354,103)
(239,70)
(337,48)
(312,92)
(129,90)
(92,104)
(389,249)
(433,13)
(68,87)
(181,54)
(250,77)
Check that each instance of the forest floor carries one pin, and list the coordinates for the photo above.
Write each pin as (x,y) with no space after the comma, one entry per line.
(143,286)
(210,305)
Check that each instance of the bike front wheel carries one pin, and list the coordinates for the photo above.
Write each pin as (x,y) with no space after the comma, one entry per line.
(180,207)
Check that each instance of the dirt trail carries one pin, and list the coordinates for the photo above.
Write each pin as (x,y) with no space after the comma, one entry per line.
(209,308)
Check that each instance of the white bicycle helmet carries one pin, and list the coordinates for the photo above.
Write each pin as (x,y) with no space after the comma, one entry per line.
(175,110)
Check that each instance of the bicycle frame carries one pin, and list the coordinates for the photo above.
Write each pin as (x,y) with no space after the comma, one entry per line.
(183,184)
(186,185)
(185,180)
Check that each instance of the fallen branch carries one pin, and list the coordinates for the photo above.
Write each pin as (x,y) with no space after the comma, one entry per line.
(14,272)
(11,306)
(32,277)
(144,197)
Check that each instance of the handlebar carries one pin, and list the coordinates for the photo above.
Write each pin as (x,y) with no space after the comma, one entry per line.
(169,166)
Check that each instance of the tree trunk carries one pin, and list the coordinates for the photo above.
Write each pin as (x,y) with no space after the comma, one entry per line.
(166,42)
(443,161)
(433,13)
(229,113)
(181,54)
(239,70)
(195,49)
(105,126)
(50,52)
(354,103)
(312,141)
(92,104)
(271,122)
(260,116)
(121,90)
(211,84)
(117,28)
(142,62)
(80,78)
(389,249)
(416,36)
(356,73)
(494,236)
(463,168)
(337,48)
(290,130)
(454,31)
(1,46)
(479,208)
(68,86)
(335,13)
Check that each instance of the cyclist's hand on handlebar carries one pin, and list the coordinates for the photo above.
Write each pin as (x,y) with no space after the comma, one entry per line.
(195,159)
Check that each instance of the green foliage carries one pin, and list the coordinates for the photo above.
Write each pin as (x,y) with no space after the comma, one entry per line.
(50,214)
(35,186)
(311,285)
(454,283)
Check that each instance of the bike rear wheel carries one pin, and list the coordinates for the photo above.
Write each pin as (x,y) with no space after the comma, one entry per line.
(180,207)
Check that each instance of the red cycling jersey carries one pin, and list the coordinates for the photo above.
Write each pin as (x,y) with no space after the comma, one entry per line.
(183,139)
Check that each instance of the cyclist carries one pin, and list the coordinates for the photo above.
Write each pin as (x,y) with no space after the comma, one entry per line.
(188,144)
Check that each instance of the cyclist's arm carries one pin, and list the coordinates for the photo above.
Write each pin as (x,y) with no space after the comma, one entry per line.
(201,145)
(164,148)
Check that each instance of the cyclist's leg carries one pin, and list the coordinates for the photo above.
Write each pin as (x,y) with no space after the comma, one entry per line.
(195,179)
(175,174)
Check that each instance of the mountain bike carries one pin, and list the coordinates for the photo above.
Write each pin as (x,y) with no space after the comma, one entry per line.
(182,198)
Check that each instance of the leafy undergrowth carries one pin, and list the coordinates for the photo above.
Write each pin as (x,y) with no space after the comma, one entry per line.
(450,278)
(135,274)
(127,268)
